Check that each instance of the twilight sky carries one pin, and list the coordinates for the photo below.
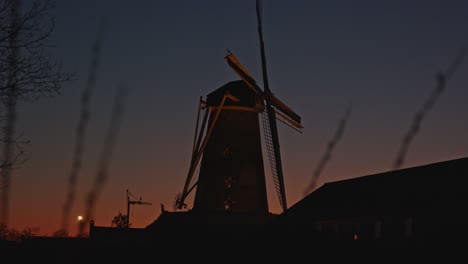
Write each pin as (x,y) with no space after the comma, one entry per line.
(380,56)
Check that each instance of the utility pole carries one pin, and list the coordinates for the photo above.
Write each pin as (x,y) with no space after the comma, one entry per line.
(131,202)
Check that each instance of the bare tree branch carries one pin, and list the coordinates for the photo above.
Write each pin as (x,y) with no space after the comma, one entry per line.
(25,73)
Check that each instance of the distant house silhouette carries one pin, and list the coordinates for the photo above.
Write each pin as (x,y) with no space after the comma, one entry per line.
(417,206)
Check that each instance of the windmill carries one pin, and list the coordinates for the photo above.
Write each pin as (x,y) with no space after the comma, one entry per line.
(231,176)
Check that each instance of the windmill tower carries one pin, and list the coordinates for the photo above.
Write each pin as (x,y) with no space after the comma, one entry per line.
(228,149)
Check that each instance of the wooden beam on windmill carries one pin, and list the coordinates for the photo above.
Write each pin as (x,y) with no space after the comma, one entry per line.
(288,114)
(199,152)
(242,72)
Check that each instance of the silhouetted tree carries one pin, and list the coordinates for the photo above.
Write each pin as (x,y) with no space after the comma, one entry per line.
(12,234)
(36,74)
(26,72)
(29,232)
(120,221)
(3,231)
(60,233)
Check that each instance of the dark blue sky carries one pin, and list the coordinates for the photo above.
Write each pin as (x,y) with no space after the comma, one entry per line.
(379,56)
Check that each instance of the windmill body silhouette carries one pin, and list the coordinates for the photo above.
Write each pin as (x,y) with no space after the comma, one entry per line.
(228,148)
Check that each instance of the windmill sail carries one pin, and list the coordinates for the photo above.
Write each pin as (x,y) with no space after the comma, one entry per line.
(242,72)
(272,158)
(277,170)
(271,106)
(292,119)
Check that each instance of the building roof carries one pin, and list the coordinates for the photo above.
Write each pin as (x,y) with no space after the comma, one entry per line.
(426,189)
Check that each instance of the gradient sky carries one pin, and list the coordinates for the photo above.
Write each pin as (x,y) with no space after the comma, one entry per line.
(380,56)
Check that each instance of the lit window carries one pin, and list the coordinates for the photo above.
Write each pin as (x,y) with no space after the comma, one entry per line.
(228,182)
(408,227)
(228,204)
(378,229)
(227,152)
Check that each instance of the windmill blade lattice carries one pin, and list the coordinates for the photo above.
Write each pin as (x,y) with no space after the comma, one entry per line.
(271,155)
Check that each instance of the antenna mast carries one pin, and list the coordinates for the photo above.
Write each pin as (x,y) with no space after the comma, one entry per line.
(131,202)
